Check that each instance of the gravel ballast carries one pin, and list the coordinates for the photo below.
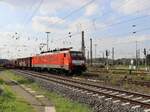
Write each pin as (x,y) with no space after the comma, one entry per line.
(98,103)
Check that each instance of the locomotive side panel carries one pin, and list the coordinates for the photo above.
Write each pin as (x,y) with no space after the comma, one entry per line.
(57,60)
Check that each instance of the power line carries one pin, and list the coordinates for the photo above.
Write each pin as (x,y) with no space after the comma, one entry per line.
(118,23)
(82,8)
(130,33)
(34,12)
(65,17)
(85,5)
(26,15)
(88,3)
(113,35)
(123,22)
(108,12)
(137,31)
(75,11)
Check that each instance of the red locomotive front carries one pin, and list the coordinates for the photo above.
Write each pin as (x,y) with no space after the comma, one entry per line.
(77,61)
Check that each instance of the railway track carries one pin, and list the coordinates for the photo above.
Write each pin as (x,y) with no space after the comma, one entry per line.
(113,69)
(137,100)
(129,81)
(118,71)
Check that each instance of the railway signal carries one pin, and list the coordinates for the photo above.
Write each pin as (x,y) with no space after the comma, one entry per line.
(107,53)
(145,51)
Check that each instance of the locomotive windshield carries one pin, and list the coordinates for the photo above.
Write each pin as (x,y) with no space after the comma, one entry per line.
(76,54)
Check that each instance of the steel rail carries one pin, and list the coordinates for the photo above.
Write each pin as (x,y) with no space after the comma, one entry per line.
(86,88)
(93,84)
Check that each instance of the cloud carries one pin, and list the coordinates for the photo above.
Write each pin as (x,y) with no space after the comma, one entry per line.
(48,20)
(46,23)
(14,27)
(130,6)
(19,4)
(9,6)
(91,9)
(59,35)
(53,6)
(47,7)
(80,24)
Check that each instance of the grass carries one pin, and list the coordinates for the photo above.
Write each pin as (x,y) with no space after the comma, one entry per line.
(120,74)
(9,102)
(1,81)
(65,105)
(121,79)
(62,104)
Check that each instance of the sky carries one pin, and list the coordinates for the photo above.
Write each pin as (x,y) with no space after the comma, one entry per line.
(110,23)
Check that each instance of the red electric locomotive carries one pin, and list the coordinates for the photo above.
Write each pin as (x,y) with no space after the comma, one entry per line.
(60,60)
(70,61)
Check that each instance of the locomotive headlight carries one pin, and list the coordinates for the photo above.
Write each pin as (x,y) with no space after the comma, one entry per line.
(78,62)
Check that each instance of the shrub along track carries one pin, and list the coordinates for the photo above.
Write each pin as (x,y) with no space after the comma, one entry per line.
(125,98)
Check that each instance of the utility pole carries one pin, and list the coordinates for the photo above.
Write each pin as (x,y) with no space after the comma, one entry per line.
(139,56)
(88,57)
(145,54)
(95,50)
(136,57)
(91,58)
(136,53)
(83,44)
(103,55)
(47,40)
(113,53)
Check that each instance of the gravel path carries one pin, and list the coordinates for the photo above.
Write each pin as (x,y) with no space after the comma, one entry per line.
(39,102)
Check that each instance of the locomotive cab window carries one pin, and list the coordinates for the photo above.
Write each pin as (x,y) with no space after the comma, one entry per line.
(76,54)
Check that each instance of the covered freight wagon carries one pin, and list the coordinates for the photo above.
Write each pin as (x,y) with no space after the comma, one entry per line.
(24,62)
